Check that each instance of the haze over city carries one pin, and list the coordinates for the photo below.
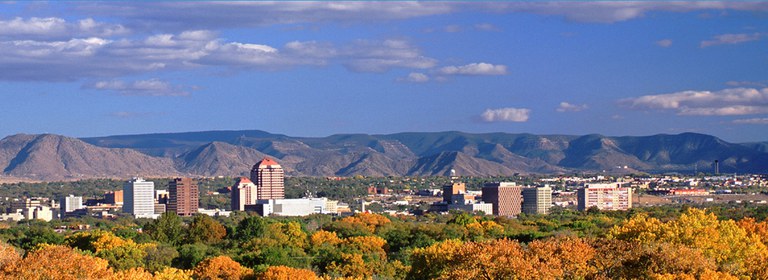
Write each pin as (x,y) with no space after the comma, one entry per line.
(319,68)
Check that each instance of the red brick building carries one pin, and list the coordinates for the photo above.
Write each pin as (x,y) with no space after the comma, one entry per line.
(183,196)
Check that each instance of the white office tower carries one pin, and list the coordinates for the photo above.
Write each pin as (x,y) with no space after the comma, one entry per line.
(139,200)
(71,203)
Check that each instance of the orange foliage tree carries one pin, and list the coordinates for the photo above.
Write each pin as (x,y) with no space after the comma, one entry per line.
(59,262)
(286,273)
(220,268)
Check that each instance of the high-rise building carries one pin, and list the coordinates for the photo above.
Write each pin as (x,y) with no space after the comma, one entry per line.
(243,193)
(114,197)
(537,200)
(605,197)
(454,193)
(269,179)
(71,203)
(183,196)
(505,196)
(138,196)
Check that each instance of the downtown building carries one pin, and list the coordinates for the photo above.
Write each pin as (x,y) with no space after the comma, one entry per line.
(183,196)
(506,198)
(269,178)
(537,200)
(244,192)
(605,197)
(138,198)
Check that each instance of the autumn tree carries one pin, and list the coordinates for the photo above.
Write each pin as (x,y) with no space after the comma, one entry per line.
(286,273)
(59,262)
(220,268)
(205,229)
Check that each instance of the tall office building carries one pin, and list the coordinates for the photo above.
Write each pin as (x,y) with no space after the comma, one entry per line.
(605,197)
(138,198)
(114,197)
(268,177)
(71,203)
(537,200)
(505,197)
(183,196)
(454,193)
(243,193)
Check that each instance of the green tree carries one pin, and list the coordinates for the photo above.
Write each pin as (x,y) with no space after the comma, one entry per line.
(169,228)
(205,229)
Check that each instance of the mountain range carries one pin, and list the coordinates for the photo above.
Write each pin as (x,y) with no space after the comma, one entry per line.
(232,153)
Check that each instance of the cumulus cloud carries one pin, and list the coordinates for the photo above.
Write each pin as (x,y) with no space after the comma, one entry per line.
(568,107)
(734,101)
(415,77)
(474,69)
(151,87)
(730,39)
(664,43)
(380,56)
(763,121)
(506,115)
(53,28)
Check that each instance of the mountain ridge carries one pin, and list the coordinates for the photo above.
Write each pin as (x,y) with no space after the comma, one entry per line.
(232,152)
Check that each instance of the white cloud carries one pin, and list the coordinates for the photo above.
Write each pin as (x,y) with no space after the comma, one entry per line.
(506,115)
(52,28)
(453,28)
(730,39)
(474,69)
(763,121)
(151,87)
(486,27)
(568,107)
(664,43)
(734,101)
(380,56)
(415,77)
(746,84)
(175,16)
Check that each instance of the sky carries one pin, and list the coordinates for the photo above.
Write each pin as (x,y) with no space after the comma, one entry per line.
(315,69)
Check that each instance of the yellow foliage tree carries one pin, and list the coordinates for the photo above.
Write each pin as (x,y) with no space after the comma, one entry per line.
(137,273)
(429,262)
(350,265)
(322,237)
(220,268)
(59,262)
(170,273)
(8,256)
(286,273)
(639,228)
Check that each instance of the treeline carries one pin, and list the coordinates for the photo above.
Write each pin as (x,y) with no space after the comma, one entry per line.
(649,243)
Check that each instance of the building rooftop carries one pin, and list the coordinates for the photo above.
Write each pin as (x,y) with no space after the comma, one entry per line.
(266,162)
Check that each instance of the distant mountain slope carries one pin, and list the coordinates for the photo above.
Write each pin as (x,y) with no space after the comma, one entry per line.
(48,157)
(232,153)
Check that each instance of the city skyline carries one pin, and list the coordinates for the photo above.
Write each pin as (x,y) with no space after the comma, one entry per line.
(315,69)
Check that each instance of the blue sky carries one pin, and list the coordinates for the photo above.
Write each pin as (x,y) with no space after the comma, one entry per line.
(321,68)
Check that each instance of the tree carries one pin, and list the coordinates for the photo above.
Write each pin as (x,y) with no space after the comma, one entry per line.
(220,268)
(170,273)
(137,273)
(168,228)
(159,257)
(286,273)
(249,228)
(205,229)
(59,262)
